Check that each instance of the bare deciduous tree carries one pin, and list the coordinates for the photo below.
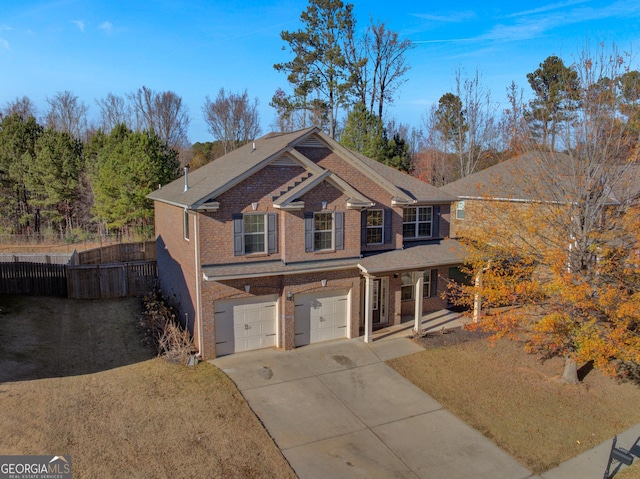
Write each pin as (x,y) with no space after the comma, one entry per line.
(232,118)
(163,113)
(23,107)
(388,64)
(67,113)
(114,110)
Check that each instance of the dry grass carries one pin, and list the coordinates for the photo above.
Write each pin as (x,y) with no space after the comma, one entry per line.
(518,401)
(119,413)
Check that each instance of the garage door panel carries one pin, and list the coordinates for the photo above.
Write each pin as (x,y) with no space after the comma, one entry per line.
(321,316)
(244,325)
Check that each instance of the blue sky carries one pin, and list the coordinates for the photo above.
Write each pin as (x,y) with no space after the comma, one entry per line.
(195,47)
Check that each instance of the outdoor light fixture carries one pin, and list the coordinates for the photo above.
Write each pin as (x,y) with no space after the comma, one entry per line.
(324,282)
(247,287)
(324,205)
(254,206)
(289,296)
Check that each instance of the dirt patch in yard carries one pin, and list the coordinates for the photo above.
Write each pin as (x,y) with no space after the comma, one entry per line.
(448,337)
(43,337)
(77,381)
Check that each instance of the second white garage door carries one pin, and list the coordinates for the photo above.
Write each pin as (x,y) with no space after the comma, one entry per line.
(321,316)
(245,324)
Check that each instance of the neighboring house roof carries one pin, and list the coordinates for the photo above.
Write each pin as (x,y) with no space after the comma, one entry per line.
(539,176)
(208,182)
(423,256)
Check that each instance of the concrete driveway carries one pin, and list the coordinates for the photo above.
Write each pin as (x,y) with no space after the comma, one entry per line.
(337,410)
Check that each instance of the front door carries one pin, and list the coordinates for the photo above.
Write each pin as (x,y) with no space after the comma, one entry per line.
(380,287)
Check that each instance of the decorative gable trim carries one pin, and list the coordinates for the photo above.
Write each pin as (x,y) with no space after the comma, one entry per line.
(399,197)
(354,199)
(284,161)
(312,142)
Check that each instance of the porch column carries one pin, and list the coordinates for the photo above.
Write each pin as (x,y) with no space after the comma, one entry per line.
(418,278)
(368,309)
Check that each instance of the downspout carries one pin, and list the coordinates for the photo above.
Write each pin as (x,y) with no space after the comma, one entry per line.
(197,269)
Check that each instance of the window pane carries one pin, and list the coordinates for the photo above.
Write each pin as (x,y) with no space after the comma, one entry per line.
(323,221)
(406,292)
(322,240)
(424,229)
(254,223)
(426,292)
(374,235)
(424,214)
(254,243)
(374,218)
(407,279)
(409,230)
(408,215)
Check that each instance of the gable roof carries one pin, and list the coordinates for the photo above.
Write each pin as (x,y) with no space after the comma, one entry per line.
(211,180)
(547,177)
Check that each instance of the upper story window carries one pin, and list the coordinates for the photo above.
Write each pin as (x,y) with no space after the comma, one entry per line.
(460,210)
(417,222)
(185,225)
(375,226)
(324,231)
(254,233)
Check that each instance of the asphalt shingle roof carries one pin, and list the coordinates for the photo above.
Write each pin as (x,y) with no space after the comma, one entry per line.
(539,176)
(213,178)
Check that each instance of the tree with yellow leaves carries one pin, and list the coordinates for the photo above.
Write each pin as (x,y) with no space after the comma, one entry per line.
(555,237)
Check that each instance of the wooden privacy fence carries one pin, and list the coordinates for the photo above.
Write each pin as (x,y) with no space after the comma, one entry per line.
(117,253)
(116,280)
(33,278)
(115,271)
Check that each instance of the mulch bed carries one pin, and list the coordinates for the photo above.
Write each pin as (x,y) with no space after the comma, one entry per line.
(449,337)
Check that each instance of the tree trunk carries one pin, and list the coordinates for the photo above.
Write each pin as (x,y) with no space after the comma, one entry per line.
(570,375)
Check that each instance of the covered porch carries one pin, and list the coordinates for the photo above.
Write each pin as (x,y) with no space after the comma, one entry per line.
(416,266)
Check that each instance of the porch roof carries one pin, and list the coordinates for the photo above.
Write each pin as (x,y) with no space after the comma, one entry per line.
(446,252)
(261,269)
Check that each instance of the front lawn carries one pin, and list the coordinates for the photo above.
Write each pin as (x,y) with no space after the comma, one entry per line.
(77,381)
(518,401)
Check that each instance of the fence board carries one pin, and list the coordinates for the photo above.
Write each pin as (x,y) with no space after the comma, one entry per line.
(33,278)
(119,253)
(110,280)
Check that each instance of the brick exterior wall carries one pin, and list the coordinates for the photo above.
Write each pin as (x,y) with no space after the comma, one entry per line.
(176,255)
(212,291)
(176,261)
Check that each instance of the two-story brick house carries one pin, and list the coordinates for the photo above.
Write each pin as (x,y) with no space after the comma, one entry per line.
(294,239)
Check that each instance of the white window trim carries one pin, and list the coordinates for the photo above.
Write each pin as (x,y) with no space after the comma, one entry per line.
(460,208)
(264,233)
(426,284)
(333,230)
(185,225)
(381,228)
(417,222)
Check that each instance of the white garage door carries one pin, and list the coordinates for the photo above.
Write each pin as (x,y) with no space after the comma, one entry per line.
(245,324)
(320,316)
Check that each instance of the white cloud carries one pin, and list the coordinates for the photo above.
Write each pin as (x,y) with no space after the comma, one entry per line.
(449,17)
(4,44)
(546,8)
(106,26)
(79,24)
